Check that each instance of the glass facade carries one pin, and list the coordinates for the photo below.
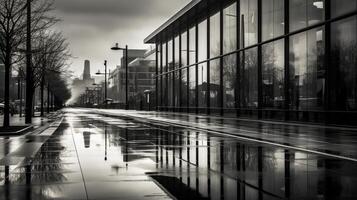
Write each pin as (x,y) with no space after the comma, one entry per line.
(259,57)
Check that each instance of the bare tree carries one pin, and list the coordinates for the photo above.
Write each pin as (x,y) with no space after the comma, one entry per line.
(13,26)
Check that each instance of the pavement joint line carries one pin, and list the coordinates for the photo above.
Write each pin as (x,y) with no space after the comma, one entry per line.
(79,162)
(254,140)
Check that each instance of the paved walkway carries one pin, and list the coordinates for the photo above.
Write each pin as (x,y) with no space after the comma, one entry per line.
(37,121)
(110,154)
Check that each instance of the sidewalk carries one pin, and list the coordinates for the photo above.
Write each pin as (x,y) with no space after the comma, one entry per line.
(37,121)
(338,142)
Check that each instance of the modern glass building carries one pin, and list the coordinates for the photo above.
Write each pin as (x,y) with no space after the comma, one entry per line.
(267,59)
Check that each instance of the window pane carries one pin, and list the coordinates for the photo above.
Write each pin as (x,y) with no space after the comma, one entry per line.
(229,80)
(159,91)
(273,18)
(215,83)
(249,16)
(344,62)
(170,89)
(340,7)
(215,35)
(159,58)
(184,49)
(305,13)
(176,73)
(177,88)
(192,48)
(177,53)
(273,75)
(230,28)
(170,55)
(164,68)
(202,41)
(184,87)
(192,86)
(202,85)
(249,79)
(307,77)
(164,91)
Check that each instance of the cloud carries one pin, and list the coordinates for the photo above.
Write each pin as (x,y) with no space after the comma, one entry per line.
(93,26)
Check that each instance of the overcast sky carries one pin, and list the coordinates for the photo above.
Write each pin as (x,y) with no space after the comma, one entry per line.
(93,26)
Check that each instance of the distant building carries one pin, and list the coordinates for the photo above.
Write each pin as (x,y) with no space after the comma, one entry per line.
(86,72)
(79,86)
(141,68)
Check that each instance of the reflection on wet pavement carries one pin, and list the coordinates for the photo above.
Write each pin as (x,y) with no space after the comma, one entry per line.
(99,157)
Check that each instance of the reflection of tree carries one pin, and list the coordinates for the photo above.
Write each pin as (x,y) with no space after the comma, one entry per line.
(273,76)
(249,75)
(344,76)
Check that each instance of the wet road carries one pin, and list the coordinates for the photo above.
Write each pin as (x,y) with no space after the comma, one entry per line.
(93,156)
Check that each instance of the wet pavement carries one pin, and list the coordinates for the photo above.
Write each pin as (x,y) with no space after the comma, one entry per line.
(94,156)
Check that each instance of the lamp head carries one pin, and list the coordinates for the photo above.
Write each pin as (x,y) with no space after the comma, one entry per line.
(116,47)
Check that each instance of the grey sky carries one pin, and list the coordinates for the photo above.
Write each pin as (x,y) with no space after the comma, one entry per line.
(93,26)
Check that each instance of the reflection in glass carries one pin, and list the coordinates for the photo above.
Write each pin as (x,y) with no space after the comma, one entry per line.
(202,41)
(230,28)
(176,74)
(344,62)
(170,55)
(215,35)
(272,18)
(164,90)
(184,49)
(192,47)
(184,77)
(249,79)
(202,85)
(307,75)
(192,69)
(215,84)
(229,80)
(192,86)
(340,7)
(273,74)
(184,87)
(249,16)
(305,13)
(170,89)
(164,67)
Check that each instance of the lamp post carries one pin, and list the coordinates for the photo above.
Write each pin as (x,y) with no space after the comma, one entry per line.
(116,48)
(105,83)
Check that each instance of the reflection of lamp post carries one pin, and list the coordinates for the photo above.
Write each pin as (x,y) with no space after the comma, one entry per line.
(105,82)
(147,93)
(116,48)
(105,137)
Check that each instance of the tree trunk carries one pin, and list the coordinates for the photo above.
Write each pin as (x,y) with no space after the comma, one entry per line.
(48,99)
(29,83)
(7,90)
(42,94)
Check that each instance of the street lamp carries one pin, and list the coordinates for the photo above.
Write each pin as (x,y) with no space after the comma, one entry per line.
(105,82)
(116,48)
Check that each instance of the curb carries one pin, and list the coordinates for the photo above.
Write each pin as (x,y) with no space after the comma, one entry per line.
(17,133)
